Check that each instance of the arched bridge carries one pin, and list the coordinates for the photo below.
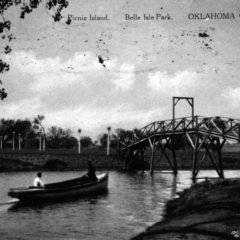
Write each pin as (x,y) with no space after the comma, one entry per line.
(205,135)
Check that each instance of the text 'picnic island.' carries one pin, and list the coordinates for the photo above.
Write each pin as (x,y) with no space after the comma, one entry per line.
(90,17)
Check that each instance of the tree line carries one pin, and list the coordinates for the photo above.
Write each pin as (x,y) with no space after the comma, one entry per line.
(27,133)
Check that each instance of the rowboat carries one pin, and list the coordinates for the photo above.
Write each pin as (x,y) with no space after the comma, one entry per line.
(61,190)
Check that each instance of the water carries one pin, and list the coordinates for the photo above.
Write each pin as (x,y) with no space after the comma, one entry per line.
(133,202)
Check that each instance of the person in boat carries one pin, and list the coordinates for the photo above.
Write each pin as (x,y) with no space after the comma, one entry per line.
(91,172)
(38,181)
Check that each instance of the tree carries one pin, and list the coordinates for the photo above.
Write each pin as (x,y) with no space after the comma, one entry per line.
(6,130)
(86,141)
(22,127)
(124,136)
(113,140)
(37,124)
(26,7)
(57,132)
(60,138)
(220,123)
(103,140)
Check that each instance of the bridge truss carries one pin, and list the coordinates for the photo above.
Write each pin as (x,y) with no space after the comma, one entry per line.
(204,134)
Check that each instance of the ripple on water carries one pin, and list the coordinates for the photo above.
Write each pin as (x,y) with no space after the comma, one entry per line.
(132,203)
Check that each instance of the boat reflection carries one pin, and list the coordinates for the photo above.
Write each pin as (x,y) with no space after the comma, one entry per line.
(58,203)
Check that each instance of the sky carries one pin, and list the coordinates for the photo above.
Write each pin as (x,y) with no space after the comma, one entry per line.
(55,69)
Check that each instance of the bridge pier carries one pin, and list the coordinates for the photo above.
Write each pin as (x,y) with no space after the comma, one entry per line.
(209,144)
(125,160)
(195,157)
(219,151)
(152,146)
(163,147)
(175,170)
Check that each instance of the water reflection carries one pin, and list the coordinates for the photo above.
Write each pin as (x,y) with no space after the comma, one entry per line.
(133,202)
(174,186)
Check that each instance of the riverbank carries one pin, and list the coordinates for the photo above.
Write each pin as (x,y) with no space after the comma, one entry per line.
(209,210)
(70,159)
(56,161)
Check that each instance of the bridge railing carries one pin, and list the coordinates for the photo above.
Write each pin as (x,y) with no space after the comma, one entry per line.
(218,126)
(221,126)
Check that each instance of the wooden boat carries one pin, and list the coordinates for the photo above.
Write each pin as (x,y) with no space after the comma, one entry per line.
(62,190)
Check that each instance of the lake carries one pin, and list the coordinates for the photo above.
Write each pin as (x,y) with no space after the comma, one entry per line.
(133,202)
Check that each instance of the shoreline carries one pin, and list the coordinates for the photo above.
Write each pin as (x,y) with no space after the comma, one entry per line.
(208,210)
(70,160)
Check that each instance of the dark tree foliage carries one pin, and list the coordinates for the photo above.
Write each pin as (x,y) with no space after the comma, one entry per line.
(19,128)
(23,127)
(60,138)
(220,123)
(29,131)
(113,140)
(37,124)
(124,136)
(26,7)
(103,140)
(86,141)
(178,142)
